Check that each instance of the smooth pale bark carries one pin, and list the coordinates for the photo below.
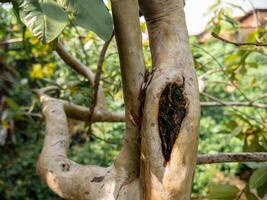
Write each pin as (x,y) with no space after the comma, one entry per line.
(67,178)
(129,42)
(172,63)
(120,181)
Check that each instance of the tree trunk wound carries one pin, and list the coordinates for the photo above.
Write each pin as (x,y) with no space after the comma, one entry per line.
(172,111)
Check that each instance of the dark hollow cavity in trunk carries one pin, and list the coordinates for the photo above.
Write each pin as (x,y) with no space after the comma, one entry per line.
(172,110)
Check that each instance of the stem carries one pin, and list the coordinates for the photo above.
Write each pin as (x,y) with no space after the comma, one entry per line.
(233,103)
(238,44)
(82,70)
(97,82)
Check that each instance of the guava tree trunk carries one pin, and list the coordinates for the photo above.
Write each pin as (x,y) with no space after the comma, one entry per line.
(158,157)
(171,109)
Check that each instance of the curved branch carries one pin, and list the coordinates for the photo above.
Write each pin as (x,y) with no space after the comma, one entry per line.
(97,82)
(74,63)
(82,70)
(65,177)
(232,157)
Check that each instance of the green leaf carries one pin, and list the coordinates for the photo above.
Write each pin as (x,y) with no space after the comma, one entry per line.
(68,5)
(223,192)
(255,165)
(90,14)
(262,190)
(250,195)
(12,104)
(216,29)
(44,18)
(16,10)
(237,130)
(258,178)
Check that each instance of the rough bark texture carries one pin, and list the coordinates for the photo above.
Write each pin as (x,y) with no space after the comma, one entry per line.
(158,157)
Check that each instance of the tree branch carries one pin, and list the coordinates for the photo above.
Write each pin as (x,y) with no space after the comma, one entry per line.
(129,42)
(82,70)
(233,108)
(97,82)
(232,157)
(80,112)
(229,103)
(65,177)
(74,63)
(11,41)
(238,44)
(260,97)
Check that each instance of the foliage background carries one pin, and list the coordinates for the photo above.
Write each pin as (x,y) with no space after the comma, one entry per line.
(228,73)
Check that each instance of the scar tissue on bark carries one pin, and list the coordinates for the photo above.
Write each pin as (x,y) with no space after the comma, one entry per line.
(172,110)
(98,179)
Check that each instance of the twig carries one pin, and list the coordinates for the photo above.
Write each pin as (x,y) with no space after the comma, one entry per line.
(97,81)
(223,71)
(81,44)
(81,69)
(11,41)
(232,157)
(233,103)
(255,14)
(209,72)
(99,138)
(233,108)
(241,193)
(74,63)
(259,98)
(232,82)
(238,44)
